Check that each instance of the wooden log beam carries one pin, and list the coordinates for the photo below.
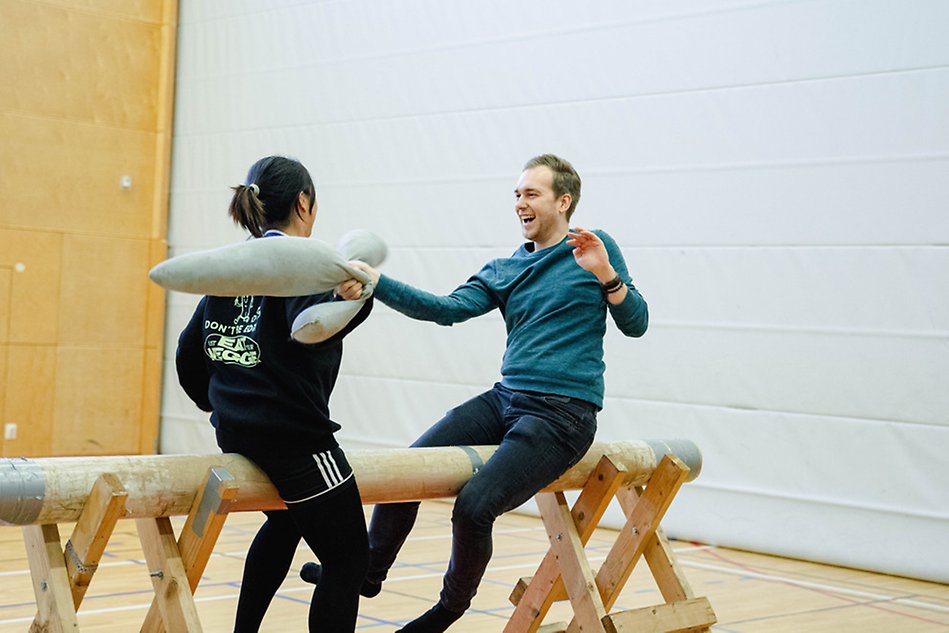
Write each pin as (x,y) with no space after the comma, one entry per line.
(54,490)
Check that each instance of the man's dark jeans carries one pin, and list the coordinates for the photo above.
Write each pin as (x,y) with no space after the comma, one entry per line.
(539,436)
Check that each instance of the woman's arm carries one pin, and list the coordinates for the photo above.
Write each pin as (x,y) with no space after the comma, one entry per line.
(191,362)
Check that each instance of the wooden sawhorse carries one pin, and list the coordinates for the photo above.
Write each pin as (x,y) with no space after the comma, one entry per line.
(565,572)
(60,578)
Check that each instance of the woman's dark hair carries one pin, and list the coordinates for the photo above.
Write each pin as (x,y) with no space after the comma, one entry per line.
(270,194)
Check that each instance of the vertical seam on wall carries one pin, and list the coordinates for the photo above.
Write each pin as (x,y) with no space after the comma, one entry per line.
(150,404)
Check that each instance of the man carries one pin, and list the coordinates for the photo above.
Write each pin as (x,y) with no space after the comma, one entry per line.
(554,293)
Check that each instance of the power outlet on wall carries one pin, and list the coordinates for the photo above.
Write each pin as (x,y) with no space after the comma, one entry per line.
(9,431)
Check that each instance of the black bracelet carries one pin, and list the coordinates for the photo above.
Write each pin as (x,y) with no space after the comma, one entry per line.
(613,285)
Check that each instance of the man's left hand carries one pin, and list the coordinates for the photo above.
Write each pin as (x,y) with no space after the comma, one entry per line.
(590,253)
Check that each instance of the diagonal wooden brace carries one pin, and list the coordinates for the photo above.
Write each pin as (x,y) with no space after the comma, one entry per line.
(641,525)
(665,569)
(167,571)
(55,610)
(588,607)
(103,508)
(534,596)
(642,536)
(198,536)
(682,608)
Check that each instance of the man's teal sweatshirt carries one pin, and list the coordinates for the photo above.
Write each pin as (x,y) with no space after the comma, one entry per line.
(554,312)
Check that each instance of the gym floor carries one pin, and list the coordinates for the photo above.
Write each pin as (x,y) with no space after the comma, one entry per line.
(751,593)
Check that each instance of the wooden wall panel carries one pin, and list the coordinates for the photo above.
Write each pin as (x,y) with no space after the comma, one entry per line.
(6,287)
(98,401)
(82,66)
(103,292)
(32,300)
(6,296)
(155,310)
(88,89)
(141,10)
(28,392)
(153,365)
(64,175)
(3,383)
(153,362)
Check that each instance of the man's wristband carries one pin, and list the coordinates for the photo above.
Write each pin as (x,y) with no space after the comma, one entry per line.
(613,285)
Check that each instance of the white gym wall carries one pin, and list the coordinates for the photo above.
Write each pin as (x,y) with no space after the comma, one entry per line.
(775,172)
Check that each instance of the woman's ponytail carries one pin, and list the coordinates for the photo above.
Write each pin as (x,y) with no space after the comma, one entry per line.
(247,209)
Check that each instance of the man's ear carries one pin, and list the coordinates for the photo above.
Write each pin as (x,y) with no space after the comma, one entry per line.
(565,201)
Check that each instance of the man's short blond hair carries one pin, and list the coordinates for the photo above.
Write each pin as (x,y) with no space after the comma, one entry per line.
(566,178)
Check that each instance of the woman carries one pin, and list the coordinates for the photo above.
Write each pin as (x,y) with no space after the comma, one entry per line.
(268,397)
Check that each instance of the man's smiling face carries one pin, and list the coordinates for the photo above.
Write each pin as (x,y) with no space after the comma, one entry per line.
(542,213)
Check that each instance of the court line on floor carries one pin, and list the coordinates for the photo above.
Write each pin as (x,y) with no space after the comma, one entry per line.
(686,563)
(20,572)
(857,593)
